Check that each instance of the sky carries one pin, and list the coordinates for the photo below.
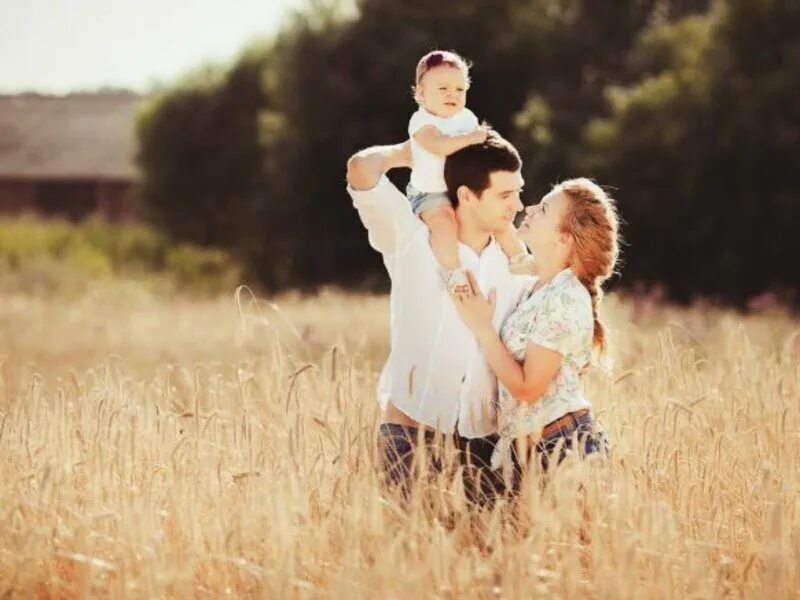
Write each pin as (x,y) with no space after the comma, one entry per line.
(58,46)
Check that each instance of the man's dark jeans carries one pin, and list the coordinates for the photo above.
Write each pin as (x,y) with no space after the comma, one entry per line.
(398,445)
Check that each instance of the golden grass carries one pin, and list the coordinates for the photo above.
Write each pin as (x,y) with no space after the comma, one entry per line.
(170,447)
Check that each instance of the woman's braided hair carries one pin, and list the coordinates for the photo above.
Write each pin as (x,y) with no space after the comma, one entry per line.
(591,219)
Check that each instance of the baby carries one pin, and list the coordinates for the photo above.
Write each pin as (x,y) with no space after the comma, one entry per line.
(442,126)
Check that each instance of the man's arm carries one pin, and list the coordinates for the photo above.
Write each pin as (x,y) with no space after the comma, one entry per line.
(383,209)
(366,167)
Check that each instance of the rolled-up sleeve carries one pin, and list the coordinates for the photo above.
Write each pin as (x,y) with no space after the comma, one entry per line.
(386,214)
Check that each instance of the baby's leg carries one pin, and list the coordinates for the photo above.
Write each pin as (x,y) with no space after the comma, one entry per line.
(520,262)
(441,220)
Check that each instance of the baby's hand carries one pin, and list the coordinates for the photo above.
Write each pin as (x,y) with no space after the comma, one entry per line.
(480,134)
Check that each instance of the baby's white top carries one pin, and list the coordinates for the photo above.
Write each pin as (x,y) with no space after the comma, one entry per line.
(427,172)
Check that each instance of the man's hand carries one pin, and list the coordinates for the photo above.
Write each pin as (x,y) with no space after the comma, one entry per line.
(366,167)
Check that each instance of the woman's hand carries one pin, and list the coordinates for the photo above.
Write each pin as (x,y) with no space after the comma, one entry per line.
(475,310)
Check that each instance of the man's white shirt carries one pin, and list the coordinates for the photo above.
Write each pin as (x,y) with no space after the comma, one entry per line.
(436,373)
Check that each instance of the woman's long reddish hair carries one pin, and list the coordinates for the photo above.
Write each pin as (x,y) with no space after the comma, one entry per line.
(591,219)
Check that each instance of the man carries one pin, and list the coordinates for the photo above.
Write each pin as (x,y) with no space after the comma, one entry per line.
(436,382)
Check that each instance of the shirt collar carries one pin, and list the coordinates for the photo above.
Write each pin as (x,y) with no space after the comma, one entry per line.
(425,111)
(558,279)
(487,250)
(562,276)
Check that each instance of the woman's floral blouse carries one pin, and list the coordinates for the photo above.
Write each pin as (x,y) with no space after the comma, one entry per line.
(558,316)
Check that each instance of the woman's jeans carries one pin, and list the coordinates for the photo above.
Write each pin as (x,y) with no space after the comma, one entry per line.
(580,436)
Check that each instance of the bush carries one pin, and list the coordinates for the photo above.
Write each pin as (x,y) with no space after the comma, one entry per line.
(201,268)
(48,255)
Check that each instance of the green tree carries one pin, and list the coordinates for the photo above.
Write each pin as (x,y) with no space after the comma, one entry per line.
(343,84)
(689,111)
(700,149)
(201,155)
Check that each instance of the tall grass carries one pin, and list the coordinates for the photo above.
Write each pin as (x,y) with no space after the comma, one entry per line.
(176,447)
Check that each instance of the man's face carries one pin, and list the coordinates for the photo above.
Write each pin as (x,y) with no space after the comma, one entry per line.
(495,209)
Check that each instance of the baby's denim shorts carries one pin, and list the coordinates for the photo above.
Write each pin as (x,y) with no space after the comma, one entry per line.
(422,201)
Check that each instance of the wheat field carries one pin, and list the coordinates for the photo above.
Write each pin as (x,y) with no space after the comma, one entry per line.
(179,447)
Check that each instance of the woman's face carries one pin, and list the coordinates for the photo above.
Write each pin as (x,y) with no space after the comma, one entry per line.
(541,226)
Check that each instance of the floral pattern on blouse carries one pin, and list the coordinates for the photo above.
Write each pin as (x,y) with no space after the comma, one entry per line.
(558,316)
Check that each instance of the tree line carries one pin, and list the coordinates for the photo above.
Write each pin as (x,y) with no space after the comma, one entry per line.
(687,110)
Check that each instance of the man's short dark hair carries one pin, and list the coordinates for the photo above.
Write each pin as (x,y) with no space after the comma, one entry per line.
(473,165)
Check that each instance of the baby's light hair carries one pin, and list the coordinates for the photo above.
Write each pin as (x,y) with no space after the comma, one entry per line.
(437,58)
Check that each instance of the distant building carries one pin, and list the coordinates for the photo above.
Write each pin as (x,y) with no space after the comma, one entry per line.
(68,156)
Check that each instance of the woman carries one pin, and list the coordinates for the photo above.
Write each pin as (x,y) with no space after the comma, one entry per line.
(549,338)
